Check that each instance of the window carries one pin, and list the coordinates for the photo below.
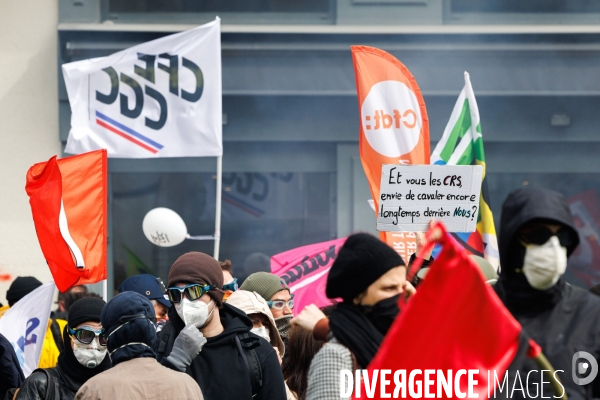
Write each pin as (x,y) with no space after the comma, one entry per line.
(231,11)
(263,214)
(216,6)
(528,6)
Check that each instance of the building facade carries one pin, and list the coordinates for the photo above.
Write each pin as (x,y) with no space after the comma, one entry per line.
(292,174)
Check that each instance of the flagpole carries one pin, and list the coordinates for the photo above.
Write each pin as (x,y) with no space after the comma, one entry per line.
(218,207)
(105,290)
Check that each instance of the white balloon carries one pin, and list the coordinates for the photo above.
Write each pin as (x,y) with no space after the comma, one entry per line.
(164,227)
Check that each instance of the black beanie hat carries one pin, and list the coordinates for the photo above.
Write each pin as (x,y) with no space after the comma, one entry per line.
(86,309)
(361,261)
(21,287)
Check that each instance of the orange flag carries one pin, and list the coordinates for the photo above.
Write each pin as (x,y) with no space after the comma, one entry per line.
(394,127)
(68,199)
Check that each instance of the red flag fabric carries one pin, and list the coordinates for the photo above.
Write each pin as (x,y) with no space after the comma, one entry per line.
(68,199)
(447,325)
(394,126)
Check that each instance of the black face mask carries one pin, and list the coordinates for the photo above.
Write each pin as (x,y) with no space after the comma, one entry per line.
(383,313)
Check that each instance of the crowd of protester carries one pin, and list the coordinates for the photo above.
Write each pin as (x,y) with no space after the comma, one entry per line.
(203,336)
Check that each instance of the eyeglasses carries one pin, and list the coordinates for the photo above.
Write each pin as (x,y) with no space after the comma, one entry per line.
(541,234)
(87,335)
(193,292)
(280,304)
(233,286)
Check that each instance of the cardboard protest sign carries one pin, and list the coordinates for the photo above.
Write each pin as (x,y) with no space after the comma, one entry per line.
(394,126)
(412,195)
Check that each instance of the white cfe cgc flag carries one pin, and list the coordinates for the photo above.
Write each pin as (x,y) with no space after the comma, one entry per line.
(158,99)
(25,325)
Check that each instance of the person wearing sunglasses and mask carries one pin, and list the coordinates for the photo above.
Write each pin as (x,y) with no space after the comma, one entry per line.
(277,293)
(233,364)
(537,235)
(369,276)
(84,356)
(130,330)
(230,284)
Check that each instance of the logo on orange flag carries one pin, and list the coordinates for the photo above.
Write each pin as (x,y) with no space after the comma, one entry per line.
(394,126)
(68,199)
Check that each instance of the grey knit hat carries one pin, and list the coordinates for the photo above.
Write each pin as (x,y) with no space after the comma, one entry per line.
(265,284)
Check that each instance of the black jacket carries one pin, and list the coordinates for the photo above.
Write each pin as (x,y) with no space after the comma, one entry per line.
(70,373)
(11,375)
(220,369)
(34,387)
(563,319)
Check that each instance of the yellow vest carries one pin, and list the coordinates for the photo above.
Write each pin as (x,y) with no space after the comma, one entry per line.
(49,355)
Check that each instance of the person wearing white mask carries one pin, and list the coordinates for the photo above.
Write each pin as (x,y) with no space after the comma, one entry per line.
(129,321)
(233,364)
(257,309)
(263,324)
(84,356)
(537,235)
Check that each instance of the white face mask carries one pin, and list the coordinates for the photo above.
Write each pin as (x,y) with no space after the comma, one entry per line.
(544,264)
(89,355)
(263,332)
(193,312)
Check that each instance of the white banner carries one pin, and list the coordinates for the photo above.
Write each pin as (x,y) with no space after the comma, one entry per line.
(25,325)
(411,196)
(157,99)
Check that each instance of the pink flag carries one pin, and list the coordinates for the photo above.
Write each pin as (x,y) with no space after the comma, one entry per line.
(305,271)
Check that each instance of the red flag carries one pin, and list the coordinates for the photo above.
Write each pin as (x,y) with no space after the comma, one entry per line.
(68,199)
(394,126)
(447,325)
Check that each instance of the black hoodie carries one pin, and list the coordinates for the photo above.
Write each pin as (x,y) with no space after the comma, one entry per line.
(220,369)
(563,319)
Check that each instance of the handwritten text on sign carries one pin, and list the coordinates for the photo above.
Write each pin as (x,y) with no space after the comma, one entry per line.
(412,195)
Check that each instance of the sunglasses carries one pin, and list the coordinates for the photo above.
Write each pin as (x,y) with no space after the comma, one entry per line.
(233,286)
(541,234)
(280,304)
(87,335)
(193,292)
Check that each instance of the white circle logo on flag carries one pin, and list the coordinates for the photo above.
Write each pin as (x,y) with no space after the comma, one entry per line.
(391,118)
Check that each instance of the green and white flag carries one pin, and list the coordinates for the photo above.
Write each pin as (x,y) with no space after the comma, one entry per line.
(462,144)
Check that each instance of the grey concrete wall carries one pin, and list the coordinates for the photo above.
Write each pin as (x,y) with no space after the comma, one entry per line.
(28,127)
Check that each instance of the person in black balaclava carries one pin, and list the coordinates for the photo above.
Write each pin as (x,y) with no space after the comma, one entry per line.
(369,276)
(84,355)
(537,235)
